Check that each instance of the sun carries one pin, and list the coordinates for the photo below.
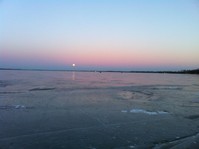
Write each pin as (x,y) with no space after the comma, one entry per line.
(73,65)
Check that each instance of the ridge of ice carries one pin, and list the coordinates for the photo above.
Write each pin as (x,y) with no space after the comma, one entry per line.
(19,107)
(145,111)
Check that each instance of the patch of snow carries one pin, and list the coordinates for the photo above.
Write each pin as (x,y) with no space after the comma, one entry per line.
(148,112)
(124,111)
(162,112)
(19,107)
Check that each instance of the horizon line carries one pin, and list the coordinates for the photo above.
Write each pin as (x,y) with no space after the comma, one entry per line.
(93,70)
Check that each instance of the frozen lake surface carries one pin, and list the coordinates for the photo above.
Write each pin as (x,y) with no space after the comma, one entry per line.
(91,110)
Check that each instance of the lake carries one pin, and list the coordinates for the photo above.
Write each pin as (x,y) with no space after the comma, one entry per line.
(92,110)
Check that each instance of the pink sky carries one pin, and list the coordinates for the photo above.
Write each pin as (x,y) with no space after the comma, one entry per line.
(113,34)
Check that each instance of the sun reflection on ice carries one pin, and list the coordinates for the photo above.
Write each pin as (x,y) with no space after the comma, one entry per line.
(73,76)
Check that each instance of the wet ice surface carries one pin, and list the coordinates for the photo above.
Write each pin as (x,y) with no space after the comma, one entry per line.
(98,110)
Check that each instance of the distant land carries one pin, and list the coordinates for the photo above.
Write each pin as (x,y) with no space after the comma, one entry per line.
(193,71)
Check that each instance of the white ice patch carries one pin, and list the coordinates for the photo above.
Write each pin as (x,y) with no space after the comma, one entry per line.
(131,146)
(168,87)
(19,107)
(148,112)
(124,111)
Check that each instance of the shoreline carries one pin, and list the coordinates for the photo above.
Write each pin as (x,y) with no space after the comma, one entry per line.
(194,71)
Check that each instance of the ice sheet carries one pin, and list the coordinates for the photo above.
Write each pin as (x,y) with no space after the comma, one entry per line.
(100,110)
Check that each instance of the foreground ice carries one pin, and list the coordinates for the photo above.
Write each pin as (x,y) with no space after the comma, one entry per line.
(84,110)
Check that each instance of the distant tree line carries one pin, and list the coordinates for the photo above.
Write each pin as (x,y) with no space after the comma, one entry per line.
(194,71)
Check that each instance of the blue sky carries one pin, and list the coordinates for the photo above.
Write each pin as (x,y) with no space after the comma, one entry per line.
(100,34)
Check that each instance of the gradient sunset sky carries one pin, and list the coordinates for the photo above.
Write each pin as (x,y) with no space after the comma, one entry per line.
(99,34)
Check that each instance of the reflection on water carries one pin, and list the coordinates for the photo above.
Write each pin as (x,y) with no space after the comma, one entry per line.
(48,79)
(73,76)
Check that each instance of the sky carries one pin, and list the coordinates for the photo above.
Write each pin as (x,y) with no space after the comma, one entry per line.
(99,34)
